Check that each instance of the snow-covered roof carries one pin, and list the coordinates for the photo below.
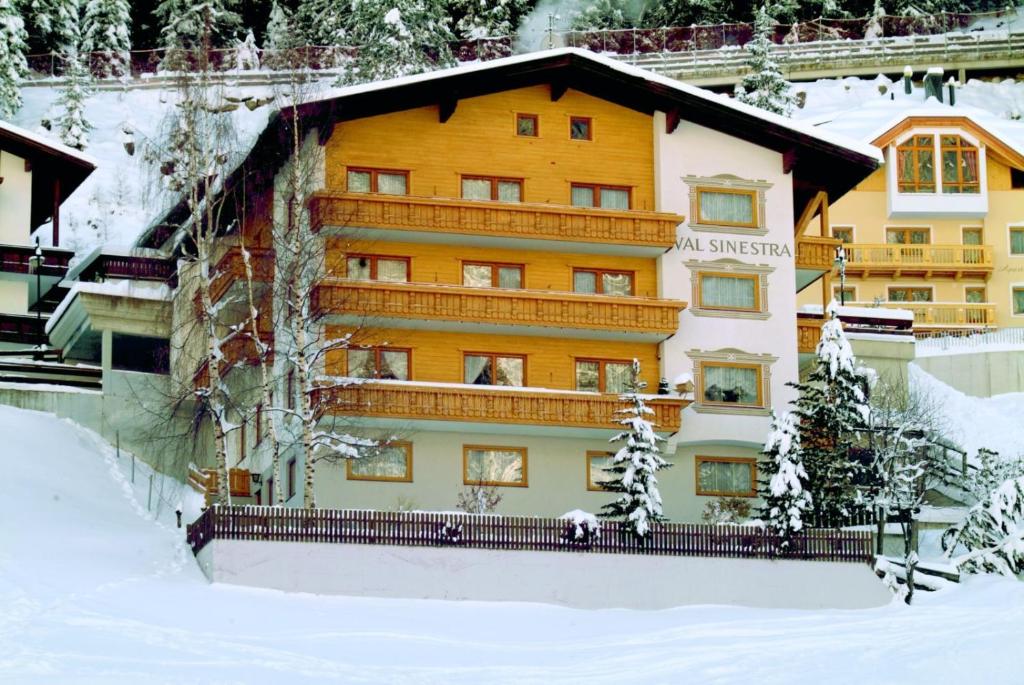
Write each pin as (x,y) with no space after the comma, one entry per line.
(38,141)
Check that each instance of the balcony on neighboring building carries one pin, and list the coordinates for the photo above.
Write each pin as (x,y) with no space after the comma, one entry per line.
(944,315)
(808,331)
(918,261)
(22,329)
(17,259)
(238,350)
(230,269)
(482,223)
(137,265)
(815,257)
(497,310)
(556,412)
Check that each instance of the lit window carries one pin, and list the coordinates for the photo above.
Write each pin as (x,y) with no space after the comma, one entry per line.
(730,292)
(915,167)
(959,166)
(599,375)
(910,294)
(605,197)
(581,128)
(726,477)
(730,207)
(738,384)
(602,282)
(843,233)
(492,188)
(386,182)
(390,461)
(907,236)
(597,470)
(506,466)
(494,369)
(527,125)
(377,268)
(1017,241)
(387,363)
(484,275)
(1018,301)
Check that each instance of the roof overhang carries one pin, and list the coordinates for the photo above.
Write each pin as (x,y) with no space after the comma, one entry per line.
(1005,150)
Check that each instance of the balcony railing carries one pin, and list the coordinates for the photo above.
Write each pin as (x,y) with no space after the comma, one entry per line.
(17,259)
(230,269)
(490,404)
(237,350)
(639,315)
(22,329)
(944,314)
(506,220)
(816,253)
(888,259)
(133,267)
(808,331)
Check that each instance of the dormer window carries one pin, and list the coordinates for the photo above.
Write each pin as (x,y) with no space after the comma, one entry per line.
(959,166)
(936,169)
(916,159)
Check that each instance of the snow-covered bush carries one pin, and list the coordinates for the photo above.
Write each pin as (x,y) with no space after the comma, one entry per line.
(582,528)
(992,471)
(726,510)
(784,489)
(991,536)
(247,54)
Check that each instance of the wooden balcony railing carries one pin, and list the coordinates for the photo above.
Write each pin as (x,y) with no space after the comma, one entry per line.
(239,349)
(816,253)
(490,404)
(230,269)
(133,267)
(808,331)
(18,259)
(944,314)
(507,220)
(22,329)
(498,306)
(924,260)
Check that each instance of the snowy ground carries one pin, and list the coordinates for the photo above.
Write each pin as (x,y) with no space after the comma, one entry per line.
(93,590)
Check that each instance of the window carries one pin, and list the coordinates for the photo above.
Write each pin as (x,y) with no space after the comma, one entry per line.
(600,375)
(494,369)
(290,389)
(492,275)
(1018,301)
(728,207)
(915,165)
(959,166)
(903,294)
(291,478)
(974,294)
(581,128)
(527,125)
(485,465)
(389,461)
(371,267)
(972,235)
(738,384)
(492,188)
(908,236)
(602,282)
(847,294)
(384,181)
(729,291)
(726,476)
(597,476)
(843,233)
(1016,179)
(387,363)
(604,197)
(259,424)
(241,441)
(1017,241)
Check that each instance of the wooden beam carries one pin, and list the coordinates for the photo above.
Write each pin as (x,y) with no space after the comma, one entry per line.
(809,211)
(446,108)
(558,89)
(788,160)
(672,119)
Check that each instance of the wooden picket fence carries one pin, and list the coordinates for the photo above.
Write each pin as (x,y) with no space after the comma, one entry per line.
(442,529)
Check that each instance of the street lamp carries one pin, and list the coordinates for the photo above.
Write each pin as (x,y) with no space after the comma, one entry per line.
(35,264)
(841,261)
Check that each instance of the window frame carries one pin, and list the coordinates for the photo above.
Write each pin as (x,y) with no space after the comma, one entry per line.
(920,187)
(756,278)
(374,258)
(1010,230)
(754,209)
(591,455)
(494,180)
(291,471)
(844,227)
(906,231)
(700,459)
(494,365)
(375,172)
(962,145)
(601,378)
(836,287)
(495,276)
(984,294)
(908,288)
(1014,288)
(599,280)
(377,353)
(979,229)
(406,446)
(760,403)
(524,452)
(595,190)
(573,118)
(526,115)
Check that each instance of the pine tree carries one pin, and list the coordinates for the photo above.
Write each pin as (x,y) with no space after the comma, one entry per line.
(43,17)
(785,497)
(281,32)
(72,125)
(13,65)
(489,19)
(874,29)
(764,87)
(603,15)
(992,534)
(832,410)
(192,25)
(247,53)
(684,13)
(108,31)
(323,22)
(396,39)
(634,466)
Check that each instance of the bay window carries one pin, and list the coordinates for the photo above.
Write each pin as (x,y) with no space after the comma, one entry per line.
(959,166)
(915,166)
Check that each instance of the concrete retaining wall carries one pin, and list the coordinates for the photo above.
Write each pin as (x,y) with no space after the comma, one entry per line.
(981,374)
(585,581)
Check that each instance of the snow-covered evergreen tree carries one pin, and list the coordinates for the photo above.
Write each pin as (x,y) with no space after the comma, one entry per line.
(281,32)
(193,25)
(397,38)
(324,22)
(489,19)
(247,53)
(634,466)
(602,15)
(13,65)
(992,470)
(107,31)
(67,24)
(684,13)
(990,539)
(832,410)
(764,87)
(42,15)
(784,489)
(874,30)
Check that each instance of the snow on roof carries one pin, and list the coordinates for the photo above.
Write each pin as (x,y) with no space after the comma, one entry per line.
(20,132)
(864,312)
(143,291)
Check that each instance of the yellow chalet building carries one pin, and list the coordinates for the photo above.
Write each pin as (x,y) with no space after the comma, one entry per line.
(505,238)
(939,228)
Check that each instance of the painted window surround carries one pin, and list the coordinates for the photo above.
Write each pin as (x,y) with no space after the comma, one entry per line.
(912,205)
(732,356)
(729,266)
(727,182)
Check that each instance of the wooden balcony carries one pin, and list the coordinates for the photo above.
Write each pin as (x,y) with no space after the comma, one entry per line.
(623,317)
(815,253)
(22,329)
(230,269)
(490,404)
(935,315)
(922,261)
(634,231)
(17,259)
(808,331)
(238,350)
(131,267)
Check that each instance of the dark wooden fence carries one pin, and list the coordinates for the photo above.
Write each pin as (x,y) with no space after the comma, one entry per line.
(514,533)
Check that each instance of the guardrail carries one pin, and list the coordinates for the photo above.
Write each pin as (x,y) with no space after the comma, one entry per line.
(429,529)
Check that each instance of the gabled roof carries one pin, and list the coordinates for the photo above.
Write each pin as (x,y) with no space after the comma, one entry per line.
(1007,149)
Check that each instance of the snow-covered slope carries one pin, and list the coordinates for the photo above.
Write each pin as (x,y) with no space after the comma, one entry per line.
(93,590)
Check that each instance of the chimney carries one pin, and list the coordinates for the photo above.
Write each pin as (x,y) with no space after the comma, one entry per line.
(933,83)
(952,91)
(907,74)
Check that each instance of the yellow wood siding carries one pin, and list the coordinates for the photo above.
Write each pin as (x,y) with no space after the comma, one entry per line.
(998,174)
(480,139)
(437,356)
(552,271)
(874,182)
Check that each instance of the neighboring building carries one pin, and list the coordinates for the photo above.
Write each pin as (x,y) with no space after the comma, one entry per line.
(505,238)
(36,176)
(939,229)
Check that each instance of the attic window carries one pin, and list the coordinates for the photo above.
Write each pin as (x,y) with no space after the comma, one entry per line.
(1017,179)
(959,166)
(916,165)
(580,128)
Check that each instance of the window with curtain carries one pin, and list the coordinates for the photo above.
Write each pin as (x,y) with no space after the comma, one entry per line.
(975,295)
(605,197)
(959,166)
(494,466)
(597,474)
(387,363)
(580,128)
(601,282)
(972,236)
(1018,300)
(599,375)
(843,233)
(908,236)
(387,182)
(527,125)
(726,384)
(910,294)
(729,208)
(494,369)
(483,275)
(726,477)
(915,165)
(377,268)
(1017,241)
(847,294)
(492,188)
(386,462)
(719,291)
